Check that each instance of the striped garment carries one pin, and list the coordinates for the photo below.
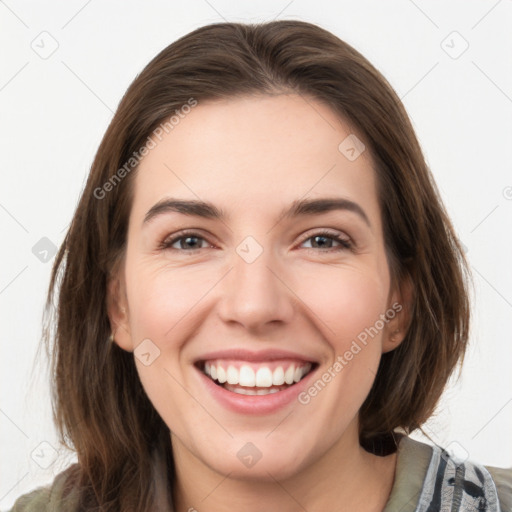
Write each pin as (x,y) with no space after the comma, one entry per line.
(454,486)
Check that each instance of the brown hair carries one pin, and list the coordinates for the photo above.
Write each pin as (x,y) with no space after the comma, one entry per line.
(100,407)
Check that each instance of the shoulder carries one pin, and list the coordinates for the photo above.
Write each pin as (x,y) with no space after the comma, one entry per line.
(502,478)
(466,484)
(428,478)
(55,497)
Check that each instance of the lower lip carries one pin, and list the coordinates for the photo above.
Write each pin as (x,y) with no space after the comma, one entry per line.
(255,404)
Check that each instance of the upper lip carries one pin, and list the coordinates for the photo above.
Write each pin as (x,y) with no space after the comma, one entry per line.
(240,354)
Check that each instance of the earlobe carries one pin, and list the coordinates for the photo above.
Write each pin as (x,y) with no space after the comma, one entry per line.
(392,339)
(398,324)
(117,310)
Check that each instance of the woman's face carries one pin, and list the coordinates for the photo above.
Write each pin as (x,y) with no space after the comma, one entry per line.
(258,286)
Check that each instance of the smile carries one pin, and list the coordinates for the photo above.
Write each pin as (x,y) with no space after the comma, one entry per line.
(246,378)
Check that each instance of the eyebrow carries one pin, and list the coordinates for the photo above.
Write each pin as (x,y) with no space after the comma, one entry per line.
(298,208)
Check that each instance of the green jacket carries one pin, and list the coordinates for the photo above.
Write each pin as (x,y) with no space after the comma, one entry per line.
(427,479)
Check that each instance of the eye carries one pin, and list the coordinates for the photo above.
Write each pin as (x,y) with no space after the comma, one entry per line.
(324,239)
(185,241)
(191,241)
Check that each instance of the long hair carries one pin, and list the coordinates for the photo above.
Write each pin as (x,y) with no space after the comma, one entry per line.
(100,408)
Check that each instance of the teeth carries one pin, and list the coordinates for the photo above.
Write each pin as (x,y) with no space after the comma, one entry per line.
(221,375)
(278,376)
(288,376)
(254,391)
(262,378)
(246,377)
(232,375)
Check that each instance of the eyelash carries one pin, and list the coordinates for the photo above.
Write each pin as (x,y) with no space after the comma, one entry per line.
(346,244)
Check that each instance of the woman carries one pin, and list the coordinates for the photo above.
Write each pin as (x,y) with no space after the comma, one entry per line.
(260,295)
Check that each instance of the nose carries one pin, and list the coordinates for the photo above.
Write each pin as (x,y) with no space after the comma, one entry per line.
(255,294)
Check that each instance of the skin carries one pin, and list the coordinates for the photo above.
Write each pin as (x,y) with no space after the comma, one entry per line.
(252,157)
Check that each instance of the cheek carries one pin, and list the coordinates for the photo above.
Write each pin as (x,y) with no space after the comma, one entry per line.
(346,301)
(163,303)
(163,299)
(349,305)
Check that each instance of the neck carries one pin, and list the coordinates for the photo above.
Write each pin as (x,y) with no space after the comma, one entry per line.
(346,477)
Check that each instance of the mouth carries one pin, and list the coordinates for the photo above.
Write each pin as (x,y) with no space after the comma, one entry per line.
(255,378)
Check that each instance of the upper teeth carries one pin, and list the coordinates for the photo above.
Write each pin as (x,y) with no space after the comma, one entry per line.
(263,377)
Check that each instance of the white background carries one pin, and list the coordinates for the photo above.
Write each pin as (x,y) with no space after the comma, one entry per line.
(54,111)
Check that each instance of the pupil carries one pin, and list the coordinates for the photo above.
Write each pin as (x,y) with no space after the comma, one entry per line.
(188,238)
(321,238)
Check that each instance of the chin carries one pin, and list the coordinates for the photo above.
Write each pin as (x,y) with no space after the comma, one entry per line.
(259,461)
(280,469)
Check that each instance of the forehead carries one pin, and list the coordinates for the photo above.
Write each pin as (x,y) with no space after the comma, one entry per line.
(256,153)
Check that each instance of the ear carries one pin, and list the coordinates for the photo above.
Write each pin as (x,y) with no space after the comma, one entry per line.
(399,314)
(118,312)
